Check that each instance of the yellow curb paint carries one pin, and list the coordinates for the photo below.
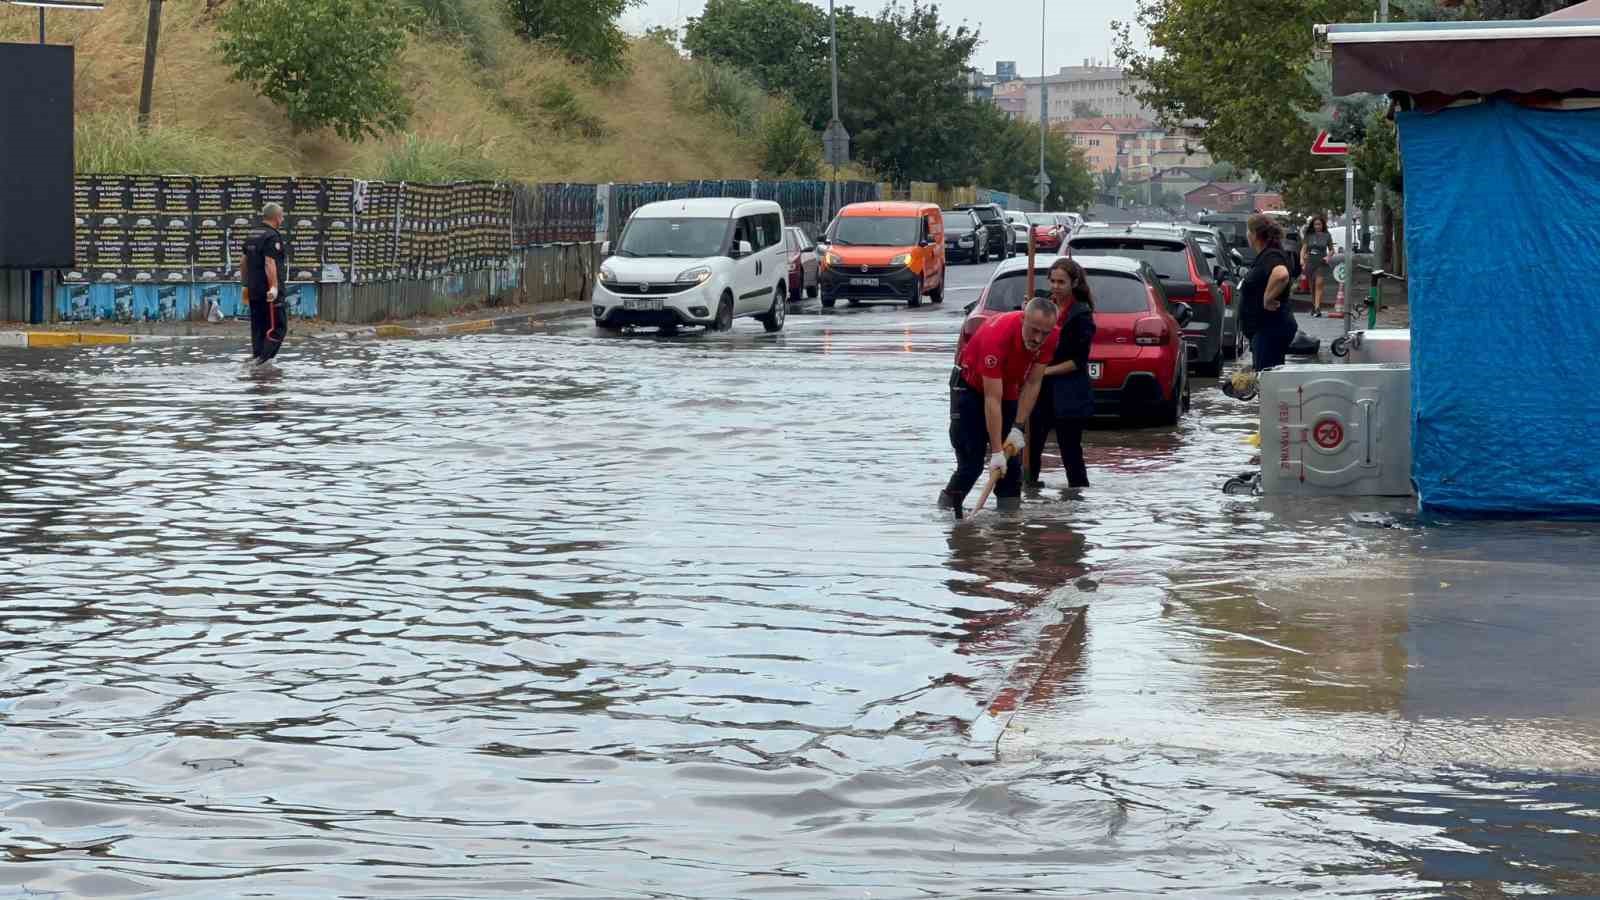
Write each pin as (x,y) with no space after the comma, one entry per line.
(394,331)
(97,339)
(469,327)
(52,338)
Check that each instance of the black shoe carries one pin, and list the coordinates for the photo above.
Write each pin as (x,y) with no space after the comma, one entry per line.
(946,501)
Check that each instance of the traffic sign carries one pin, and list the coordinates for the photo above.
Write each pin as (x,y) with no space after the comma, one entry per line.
(836,144)
(1326,146)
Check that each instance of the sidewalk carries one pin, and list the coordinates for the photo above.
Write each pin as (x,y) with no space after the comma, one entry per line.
(468,320)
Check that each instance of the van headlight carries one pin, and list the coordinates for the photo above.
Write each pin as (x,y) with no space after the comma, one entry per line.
(607,276)
(903,259)
(832,261)
(696,275)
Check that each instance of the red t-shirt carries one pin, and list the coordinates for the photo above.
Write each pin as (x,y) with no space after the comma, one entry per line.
(996,351)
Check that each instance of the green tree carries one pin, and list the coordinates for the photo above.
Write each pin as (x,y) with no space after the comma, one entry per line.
(783,43)
(903,92)
(788,146)
(585,30)
(1083,109)
(1009,161)
(327,63)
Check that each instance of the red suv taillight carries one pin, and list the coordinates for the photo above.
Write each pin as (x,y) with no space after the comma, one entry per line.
(1151,332)
(1202,287)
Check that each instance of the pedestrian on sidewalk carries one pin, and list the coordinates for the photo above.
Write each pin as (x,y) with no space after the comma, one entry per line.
(1314,252)
(992,390)
(1066,398)
(1265,313)
(266,270)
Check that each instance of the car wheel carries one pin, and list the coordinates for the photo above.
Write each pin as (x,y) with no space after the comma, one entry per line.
(828,301)
(724,319)
(795,295)
(811,290)
(937,294)
(916,294)
(773,320)
(981,256)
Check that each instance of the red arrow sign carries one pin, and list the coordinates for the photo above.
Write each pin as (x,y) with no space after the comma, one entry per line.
(1326,146)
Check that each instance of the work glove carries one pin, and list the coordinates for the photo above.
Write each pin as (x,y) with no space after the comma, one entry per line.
(272,294)
(998,462)
(1016,441)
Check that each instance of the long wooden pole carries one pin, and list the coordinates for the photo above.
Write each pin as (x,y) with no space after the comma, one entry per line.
(152,35)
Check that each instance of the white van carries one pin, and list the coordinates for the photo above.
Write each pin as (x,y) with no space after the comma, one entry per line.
(695,262)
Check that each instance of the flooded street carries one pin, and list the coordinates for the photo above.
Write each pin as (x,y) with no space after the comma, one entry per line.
(563,614)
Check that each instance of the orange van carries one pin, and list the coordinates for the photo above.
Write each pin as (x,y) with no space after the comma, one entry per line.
(884,251)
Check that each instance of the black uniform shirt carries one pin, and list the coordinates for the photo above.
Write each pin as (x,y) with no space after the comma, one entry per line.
(269,244)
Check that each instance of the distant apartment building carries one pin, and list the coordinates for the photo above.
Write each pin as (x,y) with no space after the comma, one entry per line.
(1105,89)
(1006,70)
(1137,147)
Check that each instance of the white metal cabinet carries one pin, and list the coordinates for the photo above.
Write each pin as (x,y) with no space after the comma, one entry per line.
(1336,430)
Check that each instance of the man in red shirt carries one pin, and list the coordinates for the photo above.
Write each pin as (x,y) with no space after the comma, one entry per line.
(992,389)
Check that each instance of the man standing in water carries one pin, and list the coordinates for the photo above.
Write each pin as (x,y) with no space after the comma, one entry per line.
(266,266)
(992,389)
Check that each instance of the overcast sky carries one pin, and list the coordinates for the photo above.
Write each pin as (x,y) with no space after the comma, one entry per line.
(1075,29)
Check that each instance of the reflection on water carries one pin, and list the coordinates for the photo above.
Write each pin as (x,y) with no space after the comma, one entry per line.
(554,614)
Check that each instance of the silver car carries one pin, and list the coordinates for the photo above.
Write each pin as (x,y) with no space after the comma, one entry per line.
(1020,229)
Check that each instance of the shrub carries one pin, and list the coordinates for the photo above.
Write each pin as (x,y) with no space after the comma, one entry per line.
(113,143)
(327,63)
(567,113)
(788,147)
(585,30)
(424,161)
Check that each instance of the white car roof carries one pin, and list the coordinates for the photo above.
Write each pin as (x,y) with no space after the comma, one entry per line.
(706,208)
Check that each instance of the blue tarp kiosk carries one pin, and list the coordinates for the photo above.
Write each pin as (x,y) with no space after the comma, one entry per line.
(1499,126)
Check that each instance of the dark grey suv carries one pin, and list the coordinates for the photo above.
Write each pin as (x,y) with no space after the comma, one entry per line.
(995,226)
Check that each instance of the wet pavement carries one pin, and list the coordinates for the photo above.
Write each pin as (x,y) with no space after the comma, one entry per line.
(559,614)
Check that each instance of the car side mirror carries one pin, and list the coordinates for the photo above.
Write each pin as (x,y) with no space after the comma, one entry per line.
(970,307)
(744,249)
(925,242)
(1220,273)
(1184,313)
(605,249)
(1237,256)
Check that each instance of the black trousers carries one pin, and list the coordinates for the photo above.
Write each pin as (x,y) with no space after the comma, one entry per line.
(969,437)
(269,325)
(1269,347)
(1069,438)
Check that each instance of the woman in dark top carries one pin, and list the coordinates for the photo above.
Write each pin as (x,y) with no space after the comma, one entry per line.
(1264,311)
(1066,399)
(1314,253)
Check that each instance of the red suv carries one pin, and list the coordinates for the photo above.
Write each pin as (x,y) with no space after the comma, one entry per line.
(1137,363)
(1181,267)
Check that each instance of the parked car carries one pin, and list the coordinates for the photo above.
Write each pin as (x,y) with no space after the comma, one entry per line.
(803,263)
(1020,226)
(965,237)
(885,251)
(1181,266)
(1136,364)
(695,262)
(1048,232)
(995,225)
(1071,221)
(1232,227)
(1230,275)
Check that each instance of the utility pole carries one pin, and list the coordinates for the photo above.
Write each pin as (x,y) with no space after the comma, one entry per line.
(1380,221)
(1044,115)
(834,125)
(152,35)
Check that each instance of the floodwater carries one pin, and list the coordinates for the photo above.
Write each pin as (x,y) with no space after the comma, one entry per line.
(558,614)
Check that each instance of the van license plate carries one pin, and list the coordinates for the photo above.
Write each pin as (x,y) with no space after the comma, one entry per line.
(864,282)
(642,305)
(1094,371)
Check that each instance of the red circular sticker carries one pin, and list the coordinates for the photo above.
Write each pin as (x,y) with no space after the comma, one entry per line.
(1328,434)
(991,361)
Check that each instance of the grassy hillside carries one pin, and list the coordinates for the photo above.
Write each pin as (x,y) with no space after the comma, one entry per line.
(485,106)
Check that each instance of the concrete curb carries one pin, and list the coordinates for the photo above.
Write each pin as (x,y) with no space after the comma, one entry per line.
(56,339)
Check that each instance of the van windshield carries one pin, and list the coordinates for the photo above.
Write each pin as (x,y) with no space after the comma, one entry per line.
(687,238)
(878,231)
